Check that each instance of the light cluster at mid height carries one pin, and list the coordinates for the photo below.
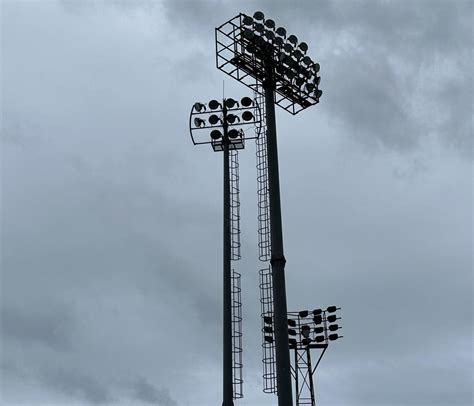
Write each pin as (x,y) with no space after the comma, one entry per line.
(229,121)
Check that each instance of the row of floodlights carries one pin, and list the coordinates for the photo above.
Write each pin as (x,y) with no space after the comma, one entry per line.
(229,103)
(306,341)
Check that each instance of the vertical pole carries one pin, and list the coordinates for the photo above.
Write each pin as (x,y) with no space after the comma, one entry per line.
(227,284)
(310,373)
(277,259)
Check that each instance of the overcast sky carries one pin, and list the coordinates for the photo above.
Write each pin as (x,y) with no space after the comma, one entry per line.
(112,219)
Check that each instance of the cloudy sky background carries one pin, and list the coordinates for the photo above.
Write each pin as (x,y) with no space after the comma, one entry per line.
(111,218)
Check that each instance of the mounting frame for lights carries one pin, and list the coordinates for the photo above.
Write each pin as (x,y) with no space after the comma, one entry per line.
(253,68)
(235,142)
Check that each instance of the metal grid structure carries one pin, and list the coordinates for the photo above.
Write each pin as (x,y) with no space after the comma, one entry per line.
(246,49)
(309,330)
(234,205)
(237,347)
(268,338)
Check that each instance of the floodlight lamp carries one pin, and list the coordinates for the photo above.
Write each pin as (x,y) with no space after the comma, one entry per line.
(292,323)
(303,46)
(288,48)
(259,27)
(319,330)
(293,39)
(246,101)
(331,318)
(258,15)
(230,103)
(292,342)
(259,40)
(334,337)
(291,332)
(318,93)
(309,87)
(280,69)
(299,82)
(331,309)
(318,319)
(288,61)
(267,319)
(317,311)
(214,104)
(279,41)
(269,339)
(247,20)
(306,341)
(269,34)
(214,119)
(303,313)
(233,133)
(198,122)
(316,67)
(247,116)
(317,81)
(281,32)
(270,23)
(297,54)
(248,34)
(250,48)
(231,118)
(305,330)
(307,60)
(333,327)
(319,339)
(268,329)
(199,107)
(216,134)
(290,74)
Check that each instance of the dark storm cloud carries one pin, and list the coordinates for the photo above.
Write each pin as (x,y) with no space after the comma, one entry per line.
(144,391)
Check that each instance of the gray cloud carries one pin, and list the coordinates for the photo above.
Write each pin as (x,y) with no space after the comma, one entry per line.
(148,393)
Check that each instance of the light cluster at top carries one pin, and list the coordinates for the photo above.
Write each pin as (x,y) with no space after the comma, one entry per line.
(288,56)
(283,53)
(307,327)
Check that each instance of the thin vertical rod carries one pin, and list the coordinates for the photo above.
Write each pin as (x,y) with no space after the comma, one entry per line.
(277,259)
(227,284)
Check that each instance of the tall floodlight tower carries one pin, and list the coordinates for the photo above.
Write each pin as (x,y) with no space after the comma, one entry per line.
(261,56)
(226,125)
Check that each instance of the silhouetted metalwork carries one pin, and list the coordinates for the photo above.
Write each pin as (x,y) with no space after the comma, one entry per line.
(226,125)
(261,56)
(310,330)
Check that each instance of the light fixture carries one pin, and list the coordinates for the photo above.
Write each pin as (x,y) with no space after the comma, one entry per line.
(248,34)
(303,313)
(331,318)
(230,103)
(303,46)
(259,27)
(316,67)
(317,81)
(305,330)
(293,39)
(267,319)
(268,329)
(334,337)
(247,116)
(318,319)
(292,323)
(216,134)
(232,118)
(269,34)
(319,339)
(279,41)
(233,133)
(246,101)
(307,60)
(281,32)
(258,15)
(288,47)
(317,311)
(333,327)
(291,332)
(269,339)
(309,87)
(214,104)
(319,330)
(306,341)
(198,122)
(292,342)
(270,23)
(199,107)
(247,20)
(331,309)
(214,119)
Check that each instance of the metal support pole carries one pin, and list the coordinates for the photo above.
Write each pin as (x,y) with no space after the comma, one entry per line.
(227,299)
(277,259)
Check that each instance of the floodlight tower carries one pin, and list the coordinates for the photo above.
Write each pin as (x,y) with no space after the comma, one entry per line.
(261,56)
(226,125)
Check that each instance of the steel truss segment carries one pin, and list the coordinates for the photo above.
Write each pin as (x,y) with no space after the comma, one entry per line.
(233,58)
(237,347)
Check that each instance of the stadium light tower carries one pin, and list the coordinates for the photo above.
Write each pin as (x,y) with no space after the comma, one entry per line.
(226,125)
(261,56)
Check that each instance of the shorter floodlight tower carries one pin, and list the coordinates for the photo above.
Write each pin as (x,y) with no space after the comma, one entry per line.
(226,125)
(309,330)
